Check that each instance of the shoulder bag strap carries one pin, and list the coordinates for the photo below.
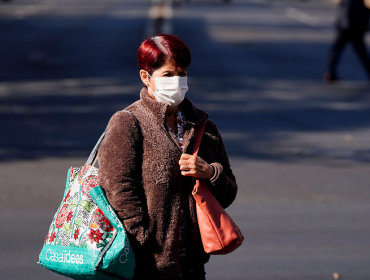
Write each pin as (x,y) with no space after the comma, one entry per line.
(93,155)
(198,139)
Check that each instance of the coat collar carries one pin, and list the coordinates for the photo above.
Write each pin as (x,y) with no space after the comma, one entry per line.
(192,114)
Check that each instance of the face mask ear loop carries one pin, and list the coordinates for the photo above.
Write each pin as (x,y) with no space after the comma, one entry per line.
(148,84)
(150,76)
(149,88)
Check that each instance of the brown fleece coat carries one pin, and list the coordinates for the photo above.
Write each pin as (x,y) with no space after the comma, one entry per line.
(139,171)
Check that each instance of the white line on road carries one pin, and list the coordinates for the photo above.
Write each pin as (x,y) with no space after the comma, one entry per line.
(32,9)
(302,17)
(293,13)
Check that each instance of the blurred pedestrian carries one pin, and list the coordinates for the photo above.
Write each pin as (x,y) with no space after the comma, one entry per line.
(352,23)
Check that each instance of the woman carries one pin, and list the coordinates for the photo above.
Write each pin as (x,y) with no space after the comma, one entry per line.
(148,172)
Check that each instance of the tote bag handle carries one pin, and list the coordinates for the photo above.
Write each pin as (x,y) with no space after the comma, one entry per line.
(94,153)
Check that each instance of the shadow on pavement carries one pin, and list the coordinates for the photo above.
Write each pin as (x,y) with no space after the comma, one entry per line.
(59,110)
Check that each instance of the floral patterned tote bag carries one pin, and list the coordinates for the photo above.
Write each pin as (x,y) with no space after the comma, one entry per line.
(86,240)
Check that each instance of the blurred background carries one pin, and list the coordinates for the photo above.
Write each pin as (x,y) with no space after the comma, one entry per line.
(299,147)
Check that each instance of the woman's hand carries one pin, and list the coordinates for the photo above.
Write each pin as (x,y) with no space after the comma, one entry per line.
(196,167)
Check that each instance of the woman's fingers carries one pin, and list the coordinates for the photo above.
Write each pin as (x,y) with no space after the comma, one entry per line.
(187,160)
(184,159)
(195,166)
(185,156)
(189,174)
(187,167)
(187,164)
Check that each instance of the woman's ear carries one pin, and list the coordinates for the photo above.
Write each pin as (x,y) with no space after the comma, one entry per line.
(144,77)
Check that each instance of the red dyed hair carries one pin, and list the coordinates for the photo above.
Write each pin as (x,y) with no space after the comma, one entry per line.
(155,51)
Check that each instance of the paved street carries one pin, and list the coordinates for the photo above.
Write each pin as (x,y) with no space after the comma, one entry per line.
(299,148)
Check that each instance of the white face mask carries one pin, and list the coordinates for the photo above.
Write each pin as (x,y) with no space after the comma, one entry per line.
(170,90)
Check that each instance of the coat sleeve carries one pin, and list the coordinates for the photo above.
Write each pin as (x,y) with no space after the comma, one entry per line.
(119,175)
(222,184)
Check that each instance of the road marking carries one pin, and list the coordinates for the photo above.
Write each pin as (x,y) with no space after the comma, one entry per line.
(302,17)
(293,13)
(159,18)
(257,1)
(29,10)
(274,3)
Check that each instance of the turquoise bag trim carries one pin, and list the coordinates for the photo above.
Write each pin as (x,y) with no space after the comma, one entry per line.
(59,260)
(69,261)
(67,181)
(119,257)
